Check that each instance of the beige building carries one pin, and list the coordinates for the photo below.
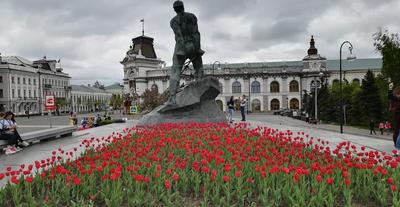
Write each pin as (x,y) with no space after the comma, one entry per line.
(24,84)
(268,86)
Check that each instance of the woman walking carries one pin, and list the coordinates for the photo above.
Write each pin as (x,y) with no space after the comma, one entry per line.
(231,105)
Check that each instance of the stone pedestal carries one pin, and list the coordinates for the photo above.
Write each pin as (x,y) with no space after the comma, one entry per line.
(194,103)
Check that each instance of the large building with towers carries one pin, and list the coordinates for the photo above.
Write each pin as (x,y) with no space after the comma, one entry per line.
(268,86)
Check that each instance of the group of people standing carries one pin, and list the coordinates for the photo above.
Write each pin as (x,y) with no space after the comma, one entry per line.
(231,108)
(9,133)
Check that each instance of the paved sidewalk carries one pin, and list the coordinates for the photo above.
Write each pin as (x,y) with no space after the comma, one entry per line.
(334,137)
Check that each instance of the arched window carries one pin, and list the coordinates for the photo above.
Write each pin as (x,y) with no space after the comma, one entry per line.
(220,104)
(356,81)
(294,103)
(294,86)
(255,87)
(221,88)
(274,87)
(256,105)
(336,81)
(275,104)
(154,87)
(236,87)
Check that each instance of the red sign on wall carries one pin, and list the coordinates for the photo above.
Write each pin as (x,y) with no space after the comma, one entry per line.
(50,102)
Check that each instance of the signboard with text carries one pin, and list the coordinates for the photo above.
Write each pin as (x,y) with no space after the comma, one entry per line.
(50,102)
(133,110)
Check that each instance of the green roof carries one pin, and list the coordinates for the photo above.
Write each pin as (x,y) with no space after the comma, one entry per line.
(114,86)
(366,63)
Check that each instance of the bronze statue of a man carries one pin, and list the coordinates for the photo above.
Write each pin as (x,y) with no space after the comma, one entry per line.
(187,46)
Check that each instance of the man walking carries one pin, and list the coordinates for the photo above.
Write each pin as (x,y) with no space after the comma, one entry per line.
(372,127)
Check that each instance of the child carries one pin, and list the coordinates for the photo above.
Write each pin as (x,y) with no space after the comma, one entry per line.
(381,127)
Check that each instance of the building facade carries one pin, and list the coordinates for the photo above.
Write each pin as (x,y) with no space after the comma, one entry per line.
(24,84)
(89,98)
(268,86)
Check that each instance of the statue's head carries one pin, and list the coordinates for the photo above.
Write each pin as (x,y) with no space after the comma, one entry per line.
(178,6)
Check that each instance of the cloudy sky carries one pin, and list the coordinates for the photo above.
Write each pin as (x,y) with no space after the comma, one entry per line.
(92,36)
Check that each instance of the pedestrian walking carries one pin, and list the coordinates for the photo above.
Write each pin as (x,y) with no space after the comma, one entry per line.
(372,127)
(394,107)
(231,104)
(381,127)
(243,107)
(388,126)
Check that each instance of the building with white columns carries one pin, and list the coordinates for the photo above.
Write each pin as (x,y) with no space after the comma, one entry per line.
(89,98)
(24,84)
(268,86)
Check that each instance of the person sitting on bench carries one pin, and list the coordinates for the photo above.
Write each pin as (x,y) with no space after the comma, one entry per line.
(8,136)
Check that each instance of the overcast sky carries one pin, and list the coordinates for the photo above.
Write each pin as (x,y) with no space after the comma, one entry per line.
(92,36)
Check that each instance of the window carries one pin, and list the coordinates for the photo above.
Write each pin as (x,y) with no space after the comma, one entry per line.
(1,79)
(18,80)
(275,104)
(236,87)
(154,87)
(24,93)
(23,81)
(1,93)
(274,87)
(356,81)
(12,79)
(293,86)
(29,93)
(294,103)
(19,93)
(29,81)
(34,93)
(34,81)
(255,87)
(12,93)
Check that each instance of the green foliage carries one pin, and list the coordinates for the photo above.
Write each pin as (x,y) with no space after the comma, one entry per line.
(361,103)
(116,101)
(389,46)
(152,99)
(372,106)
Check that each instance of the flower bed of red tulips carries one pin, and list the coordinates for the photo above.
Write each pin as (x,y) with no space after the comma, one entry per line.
(206,165)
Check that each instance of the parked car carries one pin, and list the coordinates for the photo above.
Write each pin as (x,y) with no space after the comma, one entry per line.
(286,112)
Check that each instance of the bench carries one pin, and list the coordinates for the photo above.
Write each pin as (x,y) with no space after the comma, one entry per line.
(44,134)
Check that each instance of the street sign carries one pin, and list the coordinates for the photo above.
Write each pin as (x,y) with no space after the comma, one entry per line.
(50,102)
(133,110)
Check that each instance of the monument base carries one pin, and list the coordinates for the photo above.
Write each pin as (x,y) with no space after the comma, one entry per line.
(194,103)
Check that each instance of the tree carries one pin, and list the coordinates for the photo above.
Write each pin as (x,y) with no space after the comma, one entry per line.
(372,105)
(151,99)
(389,46)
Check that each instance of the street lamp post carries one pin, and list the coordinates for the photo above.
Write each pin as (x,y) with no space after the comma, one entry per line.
(316,84)
(340,81)
(219,66)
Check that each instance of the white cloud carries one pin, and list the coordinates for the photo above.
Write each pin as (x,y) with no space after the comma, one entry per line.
(92,36)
